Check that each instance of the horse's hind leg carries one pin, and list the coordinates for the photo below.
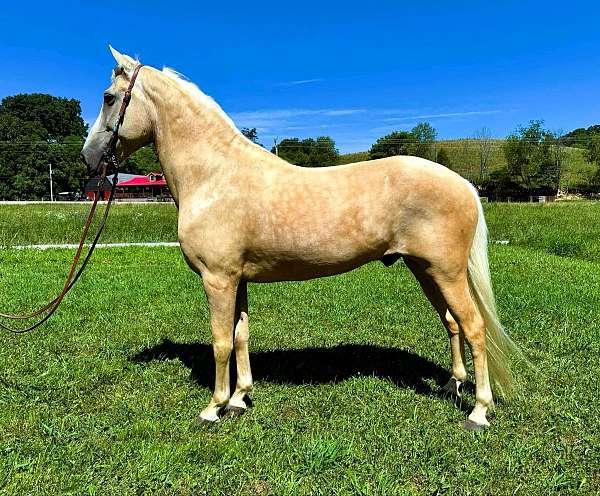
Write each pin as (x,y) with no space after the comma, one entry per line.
(455,333)
(236,403)
(457,348)
(457,294)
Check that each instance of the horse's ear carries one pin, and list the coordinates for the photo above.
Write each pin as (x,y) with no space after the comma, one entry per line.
(123,61)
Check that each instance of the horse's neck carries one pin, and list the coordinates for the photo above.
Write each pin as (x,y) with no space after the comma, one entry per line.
(196,144)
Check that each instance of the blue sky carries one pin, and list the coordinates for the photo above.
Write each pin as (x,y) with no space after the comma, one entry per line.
(351,70)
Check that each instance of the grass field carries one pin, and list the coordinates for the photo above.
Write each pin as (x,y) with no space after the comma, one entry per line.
(103,399)
(38,223)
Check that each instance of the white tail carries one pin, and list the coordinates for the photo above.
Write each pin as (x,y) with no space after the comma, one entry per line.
(499,346)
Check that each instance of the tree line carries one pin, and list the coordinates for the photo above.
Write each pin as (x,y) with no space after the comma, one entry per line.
(39,131)
(532,158)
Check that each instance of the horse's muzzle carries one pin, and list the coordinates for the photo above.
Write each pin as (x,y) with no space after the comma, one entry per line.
(94,160)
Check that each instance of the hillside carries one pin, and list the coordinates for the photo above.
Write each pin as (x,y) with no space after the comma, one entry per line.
(464,159)
(581,136)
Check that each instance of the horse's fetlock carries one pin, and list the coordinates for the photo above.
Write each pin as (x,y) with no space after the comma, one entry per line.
(245,387)
(485,399)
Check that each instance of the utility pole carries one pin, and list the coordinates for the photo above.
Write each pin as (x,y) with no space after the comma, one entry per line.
(51,187)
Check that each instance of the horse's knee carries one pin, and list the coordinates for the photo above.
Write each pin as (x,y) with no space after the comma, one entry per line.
(222,350)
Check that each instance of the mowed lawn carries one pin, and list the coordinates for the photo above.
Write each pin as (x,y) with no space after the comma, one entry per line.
(103,399)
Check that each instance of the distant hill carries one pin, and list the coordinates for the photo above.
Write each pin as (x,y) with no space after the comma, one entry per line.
(579,137)
(464,159)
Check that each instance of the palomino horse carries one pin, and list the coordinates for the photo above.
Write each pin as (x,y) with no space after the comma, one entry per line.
(246,215)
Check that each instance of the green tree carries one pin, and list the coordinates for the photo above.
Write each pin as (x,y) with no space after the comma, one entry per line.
(594,184)
(593,150)
(251,134)
(324,153)
(58,117)
(143,161)
(424,136)
(529,158)
(581,137)
(37,131)
(12,128)
(499,185)
(593,155)
(293,150)
(418,142)
(443,158)
(396,143)
(319,152)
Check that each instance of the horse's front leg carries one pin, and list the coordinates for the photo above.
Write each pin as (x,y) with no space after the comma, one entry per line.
(221,294)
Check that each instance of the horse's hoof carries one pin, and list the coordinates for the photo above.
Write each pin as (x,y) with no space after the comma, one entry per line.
(204,422)
(474,426)
(233,411)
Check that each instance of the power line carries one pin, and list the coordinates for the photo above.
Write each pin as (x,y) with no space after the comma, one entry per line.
(465,143)
(563,140)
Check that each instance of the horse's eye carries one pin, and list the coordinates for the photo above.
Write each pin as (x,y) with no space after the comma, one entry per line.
(109,99)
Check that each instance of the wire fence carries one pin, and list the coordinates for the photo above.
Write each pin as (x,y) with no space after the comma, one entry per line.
(473,158)
(565,141)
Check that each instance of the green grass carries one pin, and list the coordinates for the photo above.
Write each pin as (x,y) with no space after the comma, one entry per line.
(38,223)
(102,400)
(562,228)
(569,229)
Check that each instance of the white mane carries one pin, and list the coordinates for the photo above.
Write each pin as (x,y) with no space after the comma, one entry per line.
(193,91)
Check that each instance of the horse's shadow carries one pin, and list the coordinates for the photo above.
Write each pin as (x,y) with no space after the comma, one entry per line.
(313,365)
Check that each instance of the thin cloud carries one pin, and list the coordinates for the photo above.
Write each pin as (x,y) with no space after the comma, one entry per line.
(314,126)
(281,118)
(299,82)
(442,116)
(337,113)
(292,113)
(350,127)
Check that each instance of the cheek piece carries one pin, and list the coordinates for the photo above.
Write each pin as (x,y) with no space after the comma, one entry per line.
(109,156)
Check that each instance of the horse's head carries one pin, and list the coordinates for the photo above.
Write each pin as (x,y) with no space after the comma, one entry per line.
(136,128)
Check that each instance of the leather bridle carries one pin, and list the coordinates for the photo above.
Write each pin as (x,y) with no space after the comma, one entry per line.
(108,159)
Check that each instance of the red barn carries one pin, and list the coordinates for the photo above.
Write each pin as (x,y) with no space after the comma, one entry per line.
(151,187)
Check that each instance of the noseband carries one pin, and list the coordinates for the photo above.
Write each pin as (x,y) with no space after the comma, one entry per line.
(109,158)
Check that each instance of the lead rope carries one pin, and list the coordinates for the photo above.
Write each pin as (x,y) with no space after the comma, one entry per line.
(74,275)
